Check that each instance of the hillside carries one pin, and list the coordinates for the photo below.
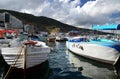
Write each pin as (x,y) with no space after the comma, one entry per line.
(42,23)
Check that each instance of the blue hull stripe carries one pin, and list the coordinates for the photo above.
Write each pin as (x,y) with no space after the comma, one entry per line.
(117,47)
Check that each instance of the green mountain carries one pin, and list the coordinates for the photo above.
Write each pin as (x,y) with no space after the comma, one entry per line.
(42,23)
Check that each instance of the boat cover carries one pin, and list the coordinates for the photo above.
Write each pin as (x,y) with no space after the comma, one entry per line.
(106,27)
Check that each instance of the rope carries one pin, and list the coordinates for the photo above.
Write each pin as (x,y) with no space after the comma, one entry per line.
(14,63)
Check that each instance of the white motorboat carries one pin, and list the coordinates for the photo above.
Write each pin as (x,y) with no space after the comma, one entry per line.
(103,50)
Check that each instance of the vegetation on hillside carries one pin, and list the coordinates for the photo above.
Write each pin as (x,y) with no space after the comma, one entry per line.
(42,23)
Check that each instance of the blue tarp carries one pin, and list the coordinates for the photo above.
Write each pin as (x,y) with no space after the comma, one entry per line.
(106,27)
(78,40)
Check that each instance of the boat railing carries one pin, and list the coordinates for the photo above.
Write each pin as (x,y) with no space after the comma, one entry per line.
(105,38)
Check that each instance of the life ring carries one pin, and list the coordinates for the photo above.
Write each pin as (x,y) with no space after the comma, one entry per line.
(30,43)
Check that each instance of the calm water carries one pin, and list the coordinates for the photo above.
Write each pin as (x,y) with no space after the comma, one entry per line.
(66,65)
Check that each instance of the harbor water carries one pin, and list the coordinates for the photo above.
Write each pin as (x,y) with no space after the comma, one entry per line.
(66,65)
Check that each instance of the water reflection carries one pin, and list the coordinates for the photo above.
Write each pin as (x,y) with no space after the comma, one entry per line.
(90,68)
(66,65)
(60,68)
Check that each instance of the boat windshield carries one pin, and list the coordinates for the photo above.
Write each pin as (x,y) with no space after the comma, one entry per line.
(78,40)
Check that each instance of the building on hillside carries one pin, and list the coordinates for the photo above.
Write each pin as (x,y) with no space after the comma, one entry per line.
(29,28)
(8,21)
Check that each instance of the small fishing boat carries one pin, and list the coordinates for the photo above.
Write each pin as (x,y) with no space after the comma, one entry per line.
(51,38)
(7,35)
(27,54)
(61,38)
(99,49)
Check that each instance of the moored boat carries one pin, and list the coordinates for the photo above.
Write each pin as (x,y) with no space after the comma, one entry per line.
(28,55)
(51,38)
(61,38)
(103,50)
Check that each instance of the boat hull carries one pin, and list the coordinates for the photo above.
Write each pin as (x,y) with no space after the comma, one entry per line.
(26,65)
(94,51)
(20,57)
(51,39)
(40,71)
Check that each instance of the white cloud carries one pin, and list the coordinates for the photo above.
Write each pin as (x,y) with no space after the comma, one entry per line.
(67,11)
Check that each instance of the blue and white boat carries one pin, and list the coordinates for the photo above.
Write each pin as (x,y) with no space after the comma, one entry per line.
(102,49)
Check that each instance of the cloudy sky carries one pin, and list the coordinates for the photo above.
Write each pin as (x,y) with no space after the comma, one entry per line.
(82,13)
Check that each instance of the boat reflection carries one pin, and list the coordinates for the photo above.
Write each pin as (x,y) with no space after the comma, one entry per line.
(92,69)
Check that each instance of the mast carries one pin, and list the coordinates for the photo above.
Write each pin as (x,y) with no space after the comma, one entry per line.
(25,53)
(25,62)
